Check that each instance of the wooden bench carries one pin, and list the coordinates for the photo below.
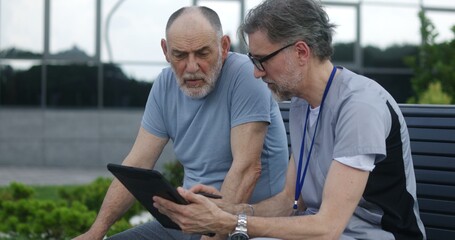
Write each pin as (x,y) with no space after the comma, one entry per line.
(432,132)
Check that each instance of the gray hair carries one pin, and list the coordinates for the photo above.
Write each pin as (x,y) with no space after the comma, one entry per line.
(288,21)
(209,14)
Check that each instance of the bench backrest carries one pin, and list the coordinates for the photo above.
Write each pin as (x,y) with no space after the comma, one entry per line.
(432,133)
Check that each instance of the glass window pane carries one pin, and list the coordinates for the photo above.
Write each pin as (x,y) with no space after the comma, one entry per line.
(72,85)
(20,83)
(346,24)
(344,17)
(229,13)
(443,22)
(134,29)
(398,85)
(383,26)
(21,28)
(391,3)
(439,3)
(72,27)
(124,85)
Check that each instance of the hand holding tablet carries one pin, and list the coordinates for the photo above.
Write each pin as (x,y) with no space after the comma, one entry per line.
(144,184)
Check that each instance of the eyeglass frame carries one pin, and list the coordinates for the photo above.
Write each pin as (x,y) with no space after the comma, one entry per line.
(257,62)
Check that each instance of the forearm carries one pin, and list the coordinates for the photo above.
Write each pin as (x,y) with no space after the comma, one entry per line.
(299,227)
(238,186)
(278,205)
(116,202)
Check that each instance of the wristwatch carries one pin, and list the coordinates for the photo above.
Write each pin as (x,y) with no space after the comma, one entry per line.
(240,232)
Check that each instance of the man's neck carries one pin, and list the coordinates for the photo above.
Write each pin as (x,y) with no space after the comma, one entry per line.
(315,82)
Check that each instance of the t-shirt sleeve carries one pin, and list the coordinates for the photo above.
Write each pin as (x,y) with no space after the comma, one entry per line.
(153,120)
(362,128)
(251,100)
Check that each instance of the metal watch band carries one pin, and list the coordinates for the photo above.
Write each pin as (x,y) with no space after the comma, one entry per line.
(241,223)
(240,232)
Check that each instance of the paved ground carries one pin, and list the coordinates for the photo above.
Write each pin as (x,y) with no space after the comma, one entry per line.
(50,175)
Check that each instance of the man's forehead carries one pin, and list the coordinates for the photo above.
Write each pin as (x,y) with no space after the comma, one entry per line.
(191,32)
(190,22)
(258,42)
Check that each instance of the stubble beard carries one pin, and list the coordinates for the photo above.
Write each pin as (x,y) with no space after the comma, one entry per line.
(289,80)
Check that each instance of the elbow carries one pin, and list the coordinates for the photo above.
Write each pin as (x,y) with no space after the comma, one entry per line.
(327,229)
(331,233)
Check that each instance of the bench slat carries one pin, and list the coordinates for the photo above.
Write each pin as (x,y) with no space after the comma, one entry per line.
(421,110)
(433,148)
(434,191)
(433,162)
(430,122)
(435,177)
(436,206)
(431,134)
(438,220)
(439,234)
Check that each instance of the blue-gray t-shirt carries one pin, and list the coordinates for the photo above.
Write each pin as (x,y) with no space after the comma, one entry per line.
(200,128)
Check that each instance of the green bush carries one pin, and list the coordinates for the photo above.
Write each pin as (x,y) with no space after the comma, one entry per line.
(16,191)
(173,171)
(24,217)
(44,219)
(434,95)
(92,196)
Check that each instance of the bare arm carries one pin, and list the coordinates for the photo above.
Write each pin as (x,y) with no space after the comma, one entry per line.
(342,192)
(144,153)
(278,205)
(246,142)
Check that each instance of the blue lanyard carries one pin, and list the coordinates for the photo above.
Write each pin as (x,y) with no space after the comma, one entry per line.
(301,178)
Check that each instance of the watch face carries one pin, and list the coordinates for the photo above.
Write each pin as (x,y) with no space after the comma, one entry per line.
(239,236)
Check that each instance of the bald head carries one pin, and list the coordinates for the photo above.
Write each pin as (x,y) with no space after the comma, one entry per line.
(194,17)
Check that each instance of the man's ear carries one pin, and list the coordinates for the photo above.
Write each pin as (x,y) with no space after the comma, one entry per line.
(303,51)
(225,46)
(164,48)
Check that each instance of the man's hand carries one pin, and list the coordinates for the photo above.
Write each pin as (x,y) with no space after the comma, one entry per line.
(200,216)
(204,188)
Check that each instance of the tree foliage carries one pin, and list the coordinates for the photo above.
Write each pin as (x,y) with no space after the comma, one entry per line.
(434,66)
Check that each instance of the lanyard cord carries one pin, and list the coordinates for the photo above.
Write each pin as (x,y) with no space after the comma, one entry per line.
(301,178)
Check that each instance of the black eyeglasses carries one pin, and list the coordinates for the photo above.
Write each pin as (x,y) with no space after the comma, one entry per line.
(258,61)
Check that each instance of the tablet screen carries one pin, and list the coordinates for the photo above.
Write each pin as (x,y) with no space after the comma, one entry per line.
(144,184)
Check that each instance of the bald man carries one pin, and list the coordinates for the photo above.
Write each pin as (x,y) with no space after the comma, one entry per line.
(226,128)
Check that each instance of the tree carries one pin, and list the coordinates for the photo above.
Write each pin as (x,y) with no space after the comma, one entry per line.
(434,66)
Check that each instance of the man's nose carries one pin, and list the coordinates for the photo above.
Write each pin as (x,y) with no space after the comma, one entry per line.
(192,65)
(258,73)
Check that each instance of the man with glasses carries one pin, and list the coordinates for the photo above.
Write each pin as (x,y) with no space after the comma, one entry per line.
(351,174)
(226,128)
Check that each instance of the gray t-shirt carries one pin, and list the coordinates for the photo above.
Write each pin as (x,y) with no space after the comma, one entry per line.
(200,128)
(359,117)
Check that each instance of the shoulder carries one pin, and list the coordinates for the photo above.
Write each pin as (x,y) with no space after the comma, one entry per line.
(238,63)
(165,79)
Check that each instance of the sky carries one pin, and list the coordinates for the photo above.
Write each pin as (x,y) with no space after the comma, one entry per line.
(137,26)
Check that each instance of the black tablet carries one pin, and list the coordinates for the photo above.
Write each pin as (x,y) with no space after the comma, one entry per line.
(144,184)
